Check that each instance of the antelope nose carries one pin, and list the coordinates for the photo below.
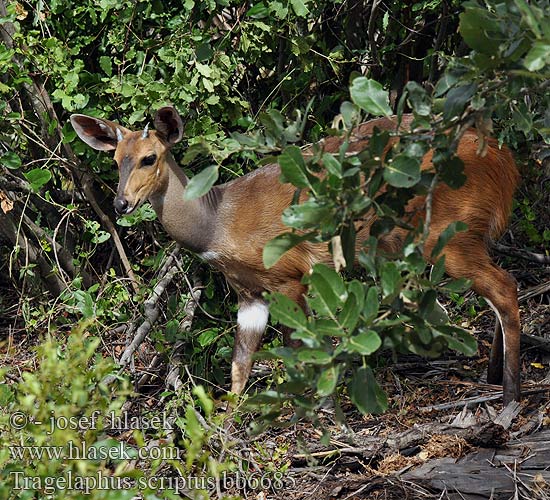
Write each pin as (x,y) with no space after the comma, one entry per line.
(121,204)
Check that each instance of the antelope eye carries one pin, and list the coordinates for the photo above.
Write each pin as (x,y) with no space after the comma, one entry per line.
(149,160)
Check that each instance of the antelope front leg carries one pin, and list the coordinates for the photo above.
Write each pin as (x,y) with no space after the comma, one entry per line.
(251,322)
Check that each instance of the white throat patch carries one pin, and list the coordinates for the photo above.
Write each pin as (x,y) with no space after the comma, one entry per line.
(209,255)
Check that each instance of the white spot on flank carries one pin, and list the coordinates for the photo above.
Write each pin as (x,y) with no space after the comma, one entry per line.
(209,255)
(253,316)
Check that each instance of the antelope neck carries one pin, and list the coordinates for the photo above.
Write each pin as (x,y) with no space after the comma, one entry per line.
(191,223)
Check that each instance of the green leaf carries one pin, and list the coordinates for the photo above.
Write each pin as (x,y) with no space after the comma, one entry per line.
(365,393)
(293,167)
(349,239)
(204,52)
(308,214)
(326,383)
(457,338)
(106,65)
(438,270)
(201,183)
(10,160)
(385,20)
(457,99)
(378,142)
(458,286)
(370,96)
(365,343)
(418,98)
(171,330)
(446,235)
(287,312)
(299,7)
(85,303)
(538,57)
(427,303)
(370,311)
(356,287)
(207,337)
(451,171)
(38,177)
(274,249)
(204,70)
(7,394)
(326,327)
(445,83)
(314,356)
(480,30)
(438,315)
(324,299)
(258,11)
(349,112)
(266,397)
(529,17)
(389,278)
(350,313)
(205,401)
(402,172)
(333,279)
(523,118)
(100,237)
(333,166)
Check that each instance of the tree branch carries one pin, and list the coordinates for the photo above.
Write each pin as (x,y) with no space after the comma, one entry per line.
(151,313)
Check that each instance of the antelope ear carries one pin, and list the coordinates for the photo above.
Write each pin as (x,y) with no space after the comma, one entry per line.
(169,125)
(102,135)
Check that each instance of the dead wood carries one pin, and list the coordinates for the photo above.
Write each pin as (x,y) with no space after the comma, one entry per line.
(489,472)
(173,378)
(29,253)
(481,399)
(139,330)
(539,258)
(534,291)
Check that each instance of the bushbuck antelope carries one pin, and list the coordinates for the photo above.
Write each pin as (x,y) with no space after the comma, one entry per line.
(229,226)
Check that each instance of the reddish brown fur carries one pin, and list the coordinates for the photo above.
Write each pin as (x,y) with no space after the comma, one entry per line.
(231,225)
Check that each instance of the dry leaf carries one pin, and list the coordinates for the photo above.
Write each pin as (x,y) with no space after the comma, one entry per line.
(20,12)
(5,202)
(337,253)
(484,128)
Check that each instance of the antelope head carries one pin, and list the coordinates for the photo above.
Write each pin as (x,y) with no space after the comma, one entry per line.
(141,156)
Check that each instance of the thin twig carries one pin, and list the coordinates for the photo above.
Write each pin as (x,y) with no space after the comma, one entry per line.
(534,291)
(173,378)
(522,254)
(481,399)
(151,313)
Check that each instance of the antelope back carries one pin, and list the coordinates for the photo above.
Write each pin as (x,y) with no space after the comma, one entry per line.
(484,201)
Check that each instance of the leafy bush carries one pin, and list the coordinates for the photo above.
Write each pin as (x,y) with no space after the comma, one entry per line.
(62,404)
(65,433)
